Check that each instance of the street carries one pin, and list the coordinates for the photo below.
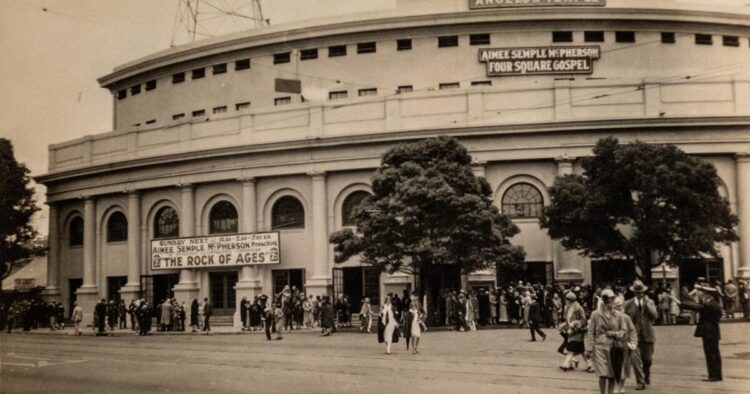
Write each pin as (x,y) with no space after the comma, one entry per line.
(501,361)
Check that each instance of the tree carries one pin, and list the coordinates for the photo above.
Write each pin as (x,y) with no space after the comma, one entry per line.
(17,206)
(428,210)
(649,204)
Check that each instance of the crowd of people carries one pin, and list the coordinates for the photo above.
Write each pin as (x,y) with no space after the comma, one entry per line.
(32,314)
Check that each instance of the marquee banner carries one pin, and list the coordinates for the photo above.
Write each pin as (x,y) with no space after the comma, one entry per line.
(503,62)
(228,250)
(483,4)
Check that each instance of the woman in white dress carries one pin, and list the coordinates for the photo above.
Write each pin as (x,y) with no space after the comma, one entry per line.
(387,324)
(416,328)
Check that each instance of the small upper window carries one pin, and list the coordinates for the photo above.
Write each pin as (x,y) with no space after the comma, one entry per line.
(75,231)
(135,90)
(367,47)
(151,85)
(403,44)
(481,83)
(479,39)
(449,85)
(562,36)
(704,39)
(117,228)
(405,88)
(522,200)
(593,36)
(151,121)
(668,37)
(166,223)
(242,64)
(368,92)
(199,73)
(625,36)
(223,218)
(337,50)
(731,41)
(220,110)
(198,113)
(282,101)
(219,68)
(308,54)
(241,106)
(178,116)
(122,93)
(351,202)
(447,41)
(341,94)
(280,58)
(178,78)
(287,213)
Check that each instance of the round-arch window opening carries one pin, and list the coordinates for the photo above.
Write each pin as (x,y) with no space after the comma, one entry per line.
(523,200)
(166,223)
(117,227)
(223,218)
(347,209)
(75,231)
(287,213)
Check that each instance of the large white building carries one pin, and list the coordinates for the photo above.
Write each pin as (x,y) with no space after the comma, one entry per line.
(202,143)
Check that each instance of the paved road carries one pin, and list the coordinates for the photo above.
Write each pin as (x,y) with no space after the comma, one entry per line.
(500,361)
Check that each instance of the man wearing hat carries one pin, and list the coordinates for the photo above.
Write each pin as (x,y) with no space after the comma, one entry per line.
(708,328)
(642,311)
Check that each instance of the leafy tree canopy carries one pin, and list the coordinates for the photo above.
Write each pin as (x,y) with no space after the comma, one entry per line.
(429,209)
(17,206)
(647,203)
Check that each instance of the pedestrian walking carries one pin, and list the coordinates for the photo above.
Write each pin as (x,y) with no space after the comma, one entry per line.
(194,315)
(387,325)
(575,328)
(76,316)
(122,311)
(100,310)
(744,298)
(307,312)
(731,299)
(642,311)
(709,314)
(166,315)
(535,318)
(207,312)
(365,315)
(604,337)
(629,343)
(412,323)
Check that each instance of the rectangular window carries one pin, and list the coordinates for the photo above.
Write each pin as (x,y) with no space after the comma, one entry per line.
(479,39)
(152,121)
(593,36)
(200,112)
(368,92)
(135,90)
(220,110)
(178,116)
(242,106)
(308,54)
(449,85)
(199,73)
(731,41)
(562,36)
(341,94)
(403,44)
(447,41)
(481,83)
(667,37)
(122,93)
(137,125)
(219,68)
(242,64)
(367,47)
(625,36)
(282,101)
(151,85)
(405,88)
(704,39)
(178,78)
(337,50)
(280,58)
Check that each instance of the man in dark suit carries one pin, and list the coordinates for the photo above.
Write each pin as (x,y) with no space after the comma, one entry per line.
(101,314)
(535,318)
(207,312)
(643,313)
(708,328)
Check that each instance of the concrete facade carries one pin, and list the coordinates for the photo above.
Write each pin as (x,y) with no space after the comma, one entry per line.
(523,129)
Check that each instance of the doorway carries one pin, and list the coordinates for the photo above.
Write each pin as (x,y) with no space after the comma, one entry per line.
(223,295)
(114,284)
(292,278)
(691,270)
(357,283)
(73,285)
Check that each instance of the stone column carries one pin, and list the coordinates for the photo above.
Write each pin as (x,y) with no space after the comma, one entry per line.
(186,290)
(132,289)
(249,283)
(565,261)
(743,212)
(52,291)
(88,294)
(318,282)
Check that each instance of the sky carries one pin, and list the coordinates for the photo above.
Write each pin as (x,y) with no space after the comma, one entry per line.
(52,52)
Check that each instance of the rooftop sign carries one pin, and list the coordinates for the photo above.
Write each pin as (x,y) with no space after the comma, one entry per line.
(502,62)
(482,4)
(228,250)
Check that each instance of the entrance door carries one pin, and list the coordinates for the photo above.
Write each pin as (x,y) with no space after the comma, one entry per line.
(161,287)
(690,271)
(114,284)
(292,278)
(223,296)
(353,287)
(357,283)
(73,285)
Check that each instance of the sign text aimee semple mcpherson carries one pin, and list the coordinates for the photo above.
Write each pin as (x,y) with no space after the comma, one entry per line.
(481,4)
(539,60)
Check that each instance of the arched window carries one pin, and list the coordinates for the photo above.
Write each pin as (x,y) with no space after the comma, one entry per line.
(523,200)
(117,227)
(223,218)
(75,231)
(350,202)
(287,213)
(166,223)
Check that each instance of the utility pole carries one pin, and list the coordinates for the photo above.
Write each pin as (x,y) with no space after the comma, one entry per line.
(197,19)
